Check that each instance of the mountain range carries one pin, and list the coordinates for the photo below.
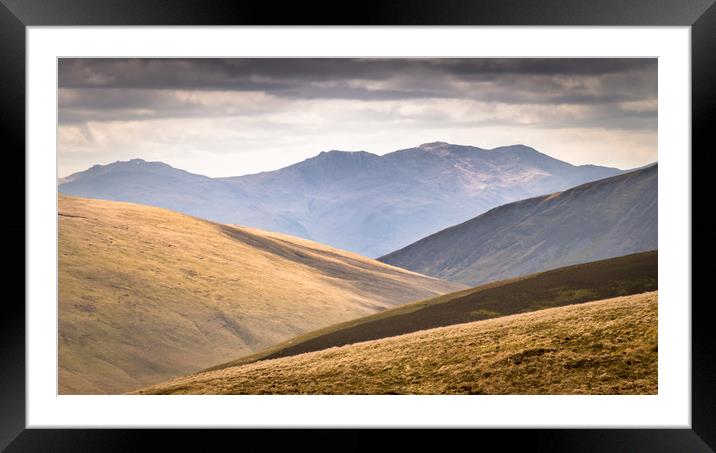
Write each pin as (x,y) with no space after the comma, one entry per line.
(356,201)
(603,219)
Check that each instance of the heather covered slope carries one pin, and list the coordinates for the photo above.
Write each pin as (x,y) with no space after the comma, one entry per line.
(564,286)
(607,218)
(146,294)
(603,347)
(356,201)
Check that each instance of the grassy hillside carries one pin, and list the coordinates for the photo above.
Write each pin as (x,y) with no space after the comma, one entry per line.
(146,294)
(569,285)
(604,347)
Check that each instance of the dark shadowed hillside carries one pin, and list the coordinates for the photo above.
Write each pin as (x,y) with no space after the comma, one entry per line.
(603,219)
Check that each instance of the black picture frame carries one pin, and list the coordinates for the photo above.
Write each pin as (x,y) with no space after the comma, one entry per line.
(16,15)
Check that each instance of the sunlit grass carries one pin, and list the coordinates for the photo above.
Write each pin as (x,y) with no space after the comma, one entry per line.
(146,294)
(603,347)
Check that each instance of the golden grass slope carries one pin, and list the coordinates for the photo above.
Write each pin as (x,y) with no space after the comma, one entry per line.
(602,347)
(622,276)
(146,294)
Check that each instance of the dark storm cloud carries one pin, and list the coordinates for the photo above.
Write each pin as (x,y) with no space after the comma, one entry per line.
(548,66)
(120,104)
(215,74)
(271,74)
(138,89)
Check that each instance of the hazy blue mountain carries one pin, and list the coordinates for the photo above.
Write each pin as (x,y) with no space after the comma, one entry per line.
(356,201)
(152,183)
(159,184)
(611,217)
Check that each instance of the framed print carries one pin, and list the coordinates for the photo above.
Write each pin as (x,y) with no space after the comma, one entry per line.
(450,217)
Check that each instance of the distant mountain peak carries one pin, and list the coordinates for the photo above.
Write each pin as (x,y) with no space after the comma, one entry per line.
(139,161)
(134,166)
(135,161)
(120,163)
(442,149)
(516,147)
(334,153)
(434,145)
(339,152)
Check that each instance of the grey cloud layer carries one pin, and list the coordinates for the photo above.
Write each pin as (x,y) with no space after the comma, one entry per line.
(139,89)
(283,73)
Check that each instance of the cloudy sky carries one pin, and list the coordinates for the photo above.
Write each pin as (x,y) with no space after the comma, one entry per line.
(227,117)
